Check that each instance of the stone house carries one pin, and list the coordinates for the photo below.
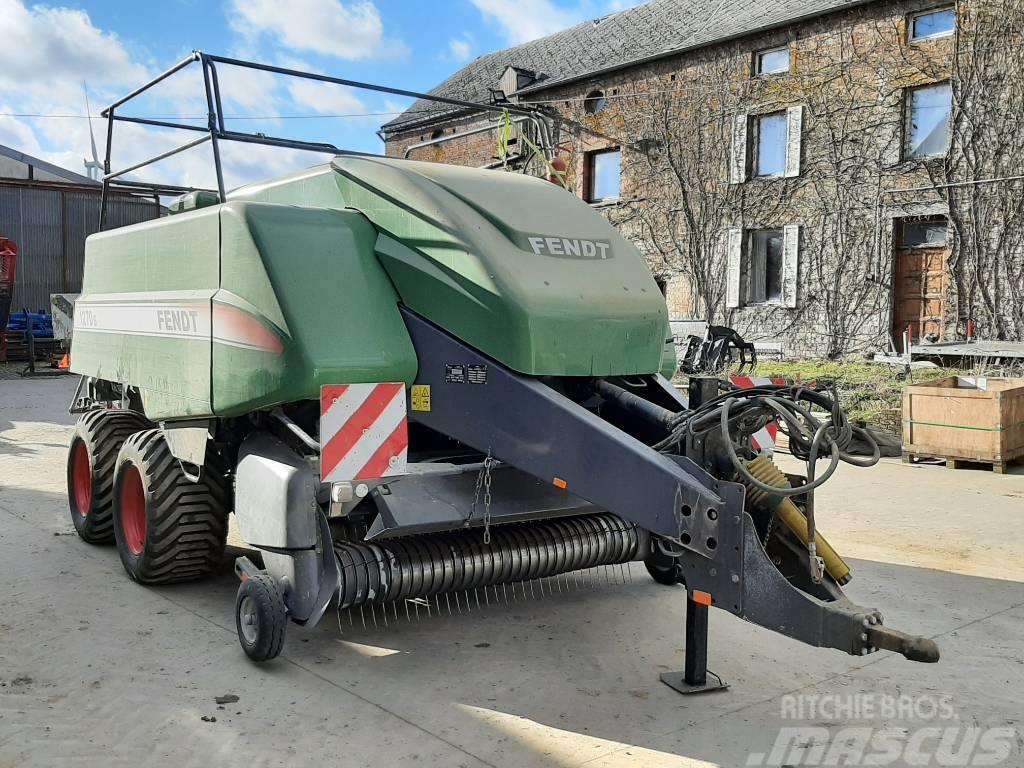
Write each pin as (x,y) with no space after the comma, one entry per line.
(826,176)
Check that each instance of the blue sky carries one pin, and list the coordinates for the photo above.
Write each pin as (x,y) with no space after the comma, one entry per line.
(49,51)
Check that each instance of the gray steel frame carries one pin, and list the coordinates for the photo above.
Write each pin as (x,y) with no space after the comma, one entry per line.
(526,423)
(215,130)
(506,415)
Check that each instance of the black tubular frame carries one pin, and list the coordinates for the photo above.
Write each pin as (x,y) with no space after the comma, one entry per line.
(215,131)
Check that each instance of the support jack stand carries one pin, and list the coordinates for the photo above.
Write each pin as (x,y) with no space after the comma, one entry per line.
(694,678)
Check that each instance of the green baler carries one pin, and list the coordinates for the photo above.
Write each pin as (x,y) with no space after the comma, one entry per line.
(409,381)
(230,309)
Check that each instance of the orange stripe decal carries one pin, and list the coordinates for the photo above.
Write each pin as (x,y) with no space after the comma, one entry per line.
(701,598)
(380,462)
(363,418)
(328,396)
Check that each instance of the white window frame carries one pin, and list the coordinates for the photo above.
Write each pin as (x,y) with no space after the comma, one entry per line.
(590,176)
(913,38)
(743,163)
(755,145)
(739,245)
(908,120)
(759,55)
(753,255)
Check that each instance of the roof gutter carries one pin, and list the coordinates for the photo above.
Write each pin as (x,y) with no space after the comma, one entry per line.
(463,134)
(427,119)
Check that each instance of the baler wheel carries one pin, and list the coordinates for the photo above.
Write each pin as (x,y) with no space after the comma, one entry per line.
(95,443)
(663,568)
(168,528)
(261,617)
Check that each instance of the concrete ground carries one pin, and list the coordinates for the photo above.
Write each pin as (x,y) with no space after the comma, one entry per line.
(97,670)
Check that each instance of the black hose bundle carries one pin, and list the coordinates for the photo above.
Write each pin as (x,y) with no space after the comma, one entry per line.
(740,413)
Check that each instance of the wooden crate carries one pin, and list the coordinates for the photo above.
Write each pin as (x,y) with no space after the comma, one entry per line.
(965,418)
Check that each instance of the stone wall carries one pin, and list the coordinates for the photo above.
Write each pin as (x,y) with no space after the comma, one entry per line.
(679,123)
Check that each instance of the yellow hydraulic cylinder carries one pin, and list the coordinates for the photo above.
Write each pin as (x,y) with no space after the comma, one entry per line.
(765,470)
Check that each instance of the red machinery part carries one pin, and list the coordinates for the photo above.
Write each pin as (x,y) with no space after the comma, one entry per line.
(8,269)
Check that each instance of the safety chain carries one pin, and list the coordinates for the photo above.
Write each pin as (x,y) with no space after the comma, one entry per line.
(483,481)
(768,532)
(488,464)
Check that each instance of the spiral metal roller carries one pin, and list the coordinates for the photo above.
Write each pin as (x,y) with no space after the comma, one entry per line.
(424,566)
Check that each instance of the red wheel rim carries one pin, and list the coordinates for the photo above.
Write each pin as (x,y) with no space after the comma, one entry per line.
(133,510)
(81,478)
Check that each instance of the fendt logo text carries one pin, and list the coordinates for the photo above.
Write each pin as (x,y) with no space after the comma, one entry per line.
(571,248)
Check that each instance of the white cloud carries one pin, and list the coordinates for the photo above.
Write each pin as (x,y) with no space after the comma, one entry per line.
(46,54)
(253,90)
(351,30)
(326,98)
(526,20)
(17,133)
(460,48)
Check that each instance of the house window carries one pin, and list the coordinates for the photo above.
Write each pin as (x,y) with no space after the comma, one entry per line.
(772,62)
(924,26)
(770,137)
(602,175)
(928,112)
(924,233)
(767,146)
(764,267)
(594,102)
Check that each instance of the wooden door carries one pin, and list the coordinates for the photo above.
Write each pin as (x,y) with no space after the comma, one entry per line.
(920,292)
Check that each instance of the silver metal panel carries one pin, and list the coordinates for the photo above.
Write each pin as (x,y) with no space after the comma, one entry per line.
(81,215)
(41,249)
(49,226)
(275,495)
(10,213)
(187,440)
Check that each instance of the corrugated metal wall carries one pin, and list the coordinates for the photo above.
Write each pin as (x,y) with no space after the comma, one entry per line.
(49,226)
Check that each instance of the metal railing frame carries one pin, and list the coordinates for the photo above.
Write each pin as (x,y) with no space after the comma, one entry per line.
(215,131)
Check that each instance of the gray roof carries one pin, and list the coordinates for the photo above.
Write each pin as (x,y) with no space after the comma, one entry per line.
(55,170)
(655,29)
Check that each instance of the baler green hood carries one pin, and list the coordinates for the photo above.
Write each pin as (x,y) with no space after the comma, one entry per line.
(515,266)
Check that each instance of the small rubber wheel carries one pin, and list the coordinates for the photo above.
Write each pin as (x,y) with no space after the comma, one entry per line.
(95,443)
(167,527)
(260,617)
(663,568)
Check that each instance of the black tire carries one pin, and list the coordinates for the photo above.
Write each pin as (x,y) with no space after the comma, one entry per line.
(92,455)
(261,617)
(663,568)
(168,528)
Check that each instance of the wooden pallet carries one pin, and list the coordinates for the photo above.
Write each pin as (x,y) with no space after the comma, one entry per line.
(955,462)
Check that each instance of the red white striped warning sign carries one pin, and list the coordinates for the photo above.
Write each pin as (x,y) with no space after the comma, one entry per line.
(763,439)
(363,431)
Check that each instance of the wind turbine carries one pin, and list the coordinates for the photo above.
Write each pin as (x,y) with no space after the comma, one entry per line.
(93,168)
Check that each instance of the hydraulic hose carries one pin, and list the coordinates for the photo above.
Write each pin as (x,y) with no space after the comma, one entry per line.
(769,476)
(637,405)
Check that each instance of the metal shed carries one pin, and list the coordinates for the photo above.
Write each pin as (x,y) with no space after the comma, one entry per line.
(49,219)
